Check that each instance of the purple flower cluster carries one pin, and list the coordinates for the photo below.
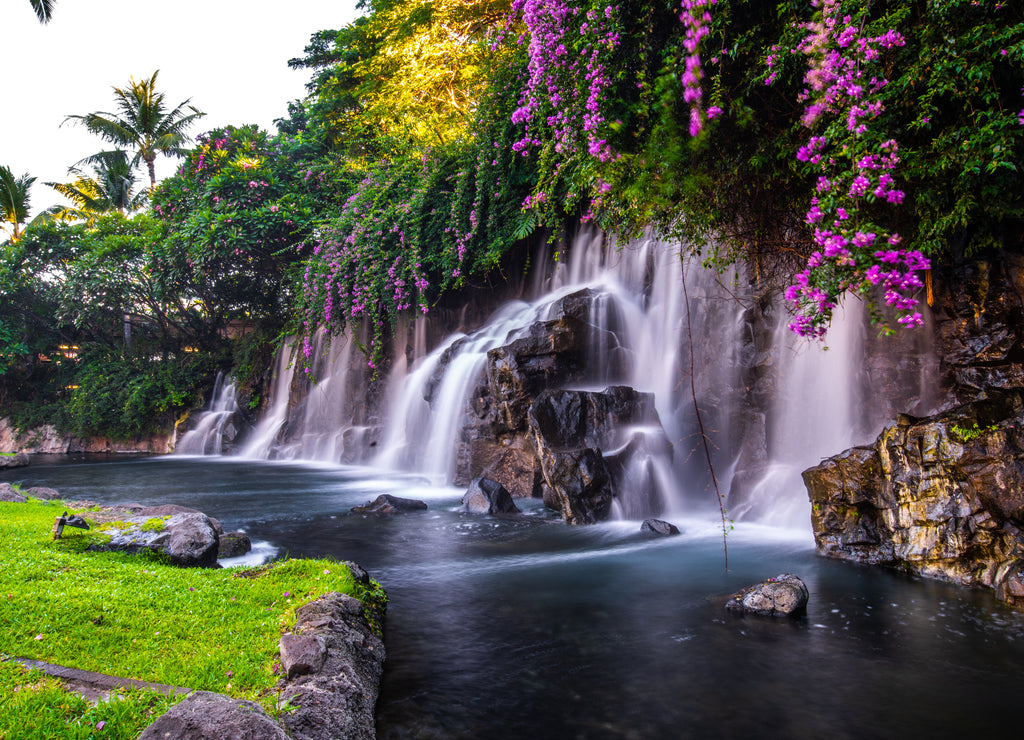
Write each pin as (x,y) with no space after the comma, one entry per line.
(696,16)
(854,169)
(568,76)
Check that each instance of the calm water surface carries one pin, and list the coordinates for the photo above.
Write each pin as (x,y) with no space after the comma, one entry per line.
(525,628)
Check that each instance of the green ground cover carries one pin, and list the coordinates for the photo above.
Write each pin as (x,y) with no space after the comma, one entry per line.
(136,617)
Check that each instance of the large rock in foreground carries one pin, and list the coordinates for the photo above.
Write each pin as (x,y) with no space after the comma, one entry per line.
(942,497)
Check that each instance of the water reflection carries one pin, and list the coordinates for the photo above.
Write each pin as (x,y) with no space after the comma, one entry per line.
(525,628)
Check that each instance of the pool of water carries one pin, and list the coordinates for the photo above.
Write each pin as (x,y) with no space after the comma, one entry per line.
(526,628)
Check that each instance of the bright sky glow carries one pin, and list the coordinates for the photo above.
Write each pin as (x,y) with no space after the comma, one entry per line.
(229,56)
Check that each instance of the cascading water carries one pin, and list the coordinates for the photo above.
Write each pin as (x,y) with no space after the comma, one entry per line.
(215,425)
(637,318)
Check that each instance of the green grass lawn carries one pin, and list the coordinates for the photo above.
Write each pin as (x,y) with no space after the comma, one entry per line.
(134,616)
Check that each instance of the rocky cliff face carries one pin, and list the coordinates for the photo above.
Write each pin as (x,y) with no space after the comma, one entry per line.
(943,496)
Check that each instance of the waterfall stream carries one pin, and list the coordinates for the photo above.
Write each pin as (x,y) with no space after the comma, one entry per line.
(813,402)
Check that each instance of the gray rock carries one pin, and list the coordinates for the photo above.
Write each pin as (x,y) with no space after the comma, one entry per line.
(9,495)
(388,504)
(205,715)
(188,539)
(337,700)
(486,496)
(658,528)
(782,596)
(301,654)
(41,492)
(233,545)
(17,460)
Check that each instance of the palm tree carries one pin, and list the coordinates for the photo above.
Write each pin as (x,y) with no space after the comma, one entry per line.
(14,201)
(109,188)
(143,124)
(44,9)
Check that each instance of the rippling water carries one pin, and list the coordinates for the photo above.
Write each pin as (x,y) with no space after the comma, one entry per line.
(526,628)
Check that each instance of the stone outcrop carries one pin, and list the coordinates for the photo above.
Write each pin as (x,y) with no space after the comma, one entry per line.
(784,595)
(941,496)
(333,660)
(486,496)
(47,440)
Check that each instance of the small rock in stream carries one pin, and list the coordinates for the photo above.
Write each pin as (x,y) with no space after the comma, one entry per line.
(388,504)
(659,528)
(782,596)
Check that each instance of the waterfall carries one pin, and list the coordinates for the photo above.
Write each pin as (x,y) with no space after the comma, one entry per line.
(214,428)
(771,403)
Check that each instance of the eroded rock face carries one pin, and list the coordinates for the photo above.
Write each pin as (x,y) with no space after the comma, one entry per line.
(205,715)
(942,497)
(784,595)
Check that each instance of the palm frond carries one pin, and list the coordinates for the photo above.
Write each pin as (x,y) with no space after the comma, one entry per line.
(43,9)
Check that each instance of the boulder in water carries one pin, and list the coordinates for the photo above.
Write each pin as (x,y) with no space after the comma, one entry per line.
(233,545)
(486,496)
(782,596)
(387,504)
(659,528)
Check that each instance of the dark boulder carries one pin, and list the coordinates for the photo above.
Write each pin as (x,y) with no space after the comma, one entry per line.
(486,496)
(387,504)
(233,545)
(204,715)
(782,596)
(659,528)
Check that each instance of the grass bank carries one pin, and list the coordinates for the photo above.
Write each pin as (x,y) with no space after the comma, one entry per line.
(136,617)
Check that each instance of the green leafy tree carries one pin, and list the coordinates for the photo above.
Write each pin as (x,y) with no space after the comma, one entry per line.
(14,201)
(143,124)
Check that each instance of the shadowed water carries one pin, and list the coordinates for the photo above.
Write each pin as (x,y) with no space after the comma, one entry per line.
(526,628)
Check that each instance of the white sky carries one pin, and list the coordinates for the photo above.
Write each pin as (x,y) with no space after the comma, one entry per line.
(229,56)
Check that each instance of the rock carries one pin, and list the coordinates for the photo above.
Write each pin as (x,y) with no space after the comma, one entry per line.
(9,495)
(15,460)
(659,528)
(41,492)
(388,504)
(337,699)
(782,596)
(486,496)
(941,496)
(187,539)
(570,430)
(233,545)
(518,469)
(302,654)
(205,715)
